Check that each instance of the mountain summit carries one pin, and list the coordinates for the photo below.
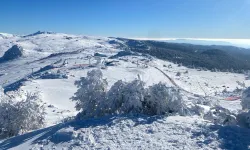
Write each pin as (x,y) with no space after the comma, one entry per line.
(39,32)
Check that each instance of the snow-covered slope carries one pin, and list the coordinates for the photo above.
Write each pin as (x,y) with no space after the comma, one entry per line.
(122,132)
(54,61)
(127,132)
(45,43)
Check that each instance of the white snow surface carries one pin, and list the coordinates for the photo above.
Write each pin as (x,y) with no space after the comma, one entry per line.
(123,132)
(128,132)
(113,132)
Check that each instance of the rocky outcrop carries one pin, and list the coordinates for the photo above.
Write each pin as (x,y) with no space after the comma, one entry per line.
(13,53)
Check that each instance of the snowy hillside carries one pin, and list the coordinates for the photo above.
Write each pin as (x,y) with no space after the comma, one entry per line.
(52,62)
(133,133)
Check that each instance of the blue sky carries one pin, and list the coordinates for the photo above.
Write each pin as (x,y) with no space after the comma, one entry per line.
(129,18)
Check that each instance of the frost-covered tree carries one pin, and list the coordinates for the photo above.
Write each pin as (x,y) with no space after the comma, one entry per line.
(245,102)
(132,97)
(1,91)
(91,94)
(115,97)
(32,113)
(161,99)
(17,117)
(220,115)
(126,97)
(94,100)
(244,117)
(2,95)
(178,74)
(8,115)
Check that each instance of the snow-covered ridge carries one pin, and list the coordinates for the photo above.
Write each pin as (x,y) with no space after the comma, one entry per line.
(46,43)
(6,35)
(39,32)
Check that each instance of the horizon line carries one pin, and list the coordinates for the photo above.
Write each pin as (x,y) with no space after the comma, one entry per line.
(139,38)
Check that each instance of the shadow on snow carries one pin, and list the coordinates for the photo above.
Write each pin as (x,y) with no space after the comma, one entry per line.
(229,137)
(49,132)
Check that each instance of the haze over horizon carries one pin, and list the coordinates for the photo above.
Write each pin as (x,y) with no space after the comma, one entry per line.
(207,19)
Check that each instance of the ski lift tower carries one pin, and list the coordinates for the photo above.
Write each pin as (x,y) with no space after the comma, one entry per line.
(89,58)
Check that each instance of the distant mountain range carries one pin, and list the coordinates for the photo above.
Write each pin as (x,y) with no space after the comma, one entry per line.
(244,43)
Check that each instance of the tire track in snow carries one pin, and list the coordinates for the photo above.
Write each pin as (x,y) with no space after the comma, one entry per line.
(171,80)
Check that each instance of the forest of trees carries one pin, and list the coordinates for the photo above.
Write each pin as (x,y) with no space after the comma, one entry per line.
(223,58)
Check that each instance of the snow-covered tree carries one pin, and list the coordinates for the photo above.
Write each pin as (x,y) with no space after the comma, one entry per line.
(245,102)
(90,94)
(2,95)
(126,97)
(132,97)
(115,97)
(161,99)
(93,99)
(178,74)
(1,91)
(32,113)
(220,115)
(17,117)
(244,117)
